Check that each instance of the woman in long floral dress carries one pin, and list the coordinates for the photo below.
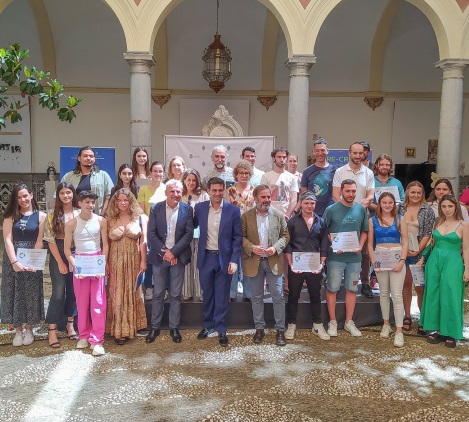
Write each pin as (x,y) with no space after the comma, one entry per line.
(127,228)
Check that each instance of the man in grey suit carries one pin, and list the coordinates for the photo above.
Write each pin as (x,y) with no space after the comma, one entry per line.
(265,236)
(170,232)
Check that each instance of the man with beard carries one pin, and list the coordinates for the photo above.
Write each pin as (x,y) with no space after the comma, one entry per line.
(382,170)
(282,184)
(220,169)
(265,235)
(86,176)
(317,178)
(342,217)
(365,189)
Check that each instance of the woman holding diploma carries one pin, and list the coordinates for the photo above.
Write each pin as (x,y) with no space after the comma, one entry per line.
(88,231)
(443,299)
(62,302)
(419,218)
(388,231)
(127,230)
(22,293)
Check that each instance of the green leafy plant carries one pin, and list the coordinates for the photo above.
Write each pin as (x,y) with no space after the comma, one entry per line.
(31,83)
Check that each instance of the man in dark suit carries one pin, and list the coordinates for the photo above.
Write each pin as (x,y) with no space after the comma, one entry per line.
(170,232)
(219,252)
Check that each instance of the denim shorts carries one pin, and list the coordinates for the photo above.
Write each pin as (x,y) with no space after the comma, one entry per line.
(349,270)
(411,260)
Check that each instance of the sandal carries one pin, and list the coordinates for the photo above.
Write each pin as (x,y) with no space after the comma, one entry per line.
(56,344)
(435,338)
(421,331)
(407,323)
(450,342)
(74,335)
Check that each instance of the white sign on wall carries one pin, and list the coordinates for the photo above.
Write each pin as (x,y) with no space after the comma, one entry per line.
(15,143)
(196,150)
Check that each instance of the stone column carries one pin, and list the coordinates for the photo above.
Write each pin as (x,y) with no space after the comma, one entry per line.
(298,106)
(140,100)
(449,139)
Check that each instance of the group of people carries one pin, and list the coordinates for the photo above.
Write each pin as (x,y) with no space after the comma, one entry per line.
(173,233)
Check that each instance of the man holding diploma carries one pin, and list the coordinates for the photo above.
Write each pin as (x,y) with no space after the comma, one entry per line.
(345,216)
(88,231)
(308,238)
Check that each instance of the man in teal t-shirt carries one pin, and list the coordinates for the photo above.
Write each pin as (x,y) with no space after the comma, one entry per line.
(345,216)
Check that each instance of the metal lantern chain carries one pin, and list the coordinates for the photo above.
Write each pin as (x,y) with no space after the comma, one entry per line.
(217,62)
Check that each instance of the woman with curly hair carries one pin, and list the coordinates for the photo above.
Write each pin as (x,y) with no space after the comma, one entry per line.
(127,228)
(62,302)
(22,294)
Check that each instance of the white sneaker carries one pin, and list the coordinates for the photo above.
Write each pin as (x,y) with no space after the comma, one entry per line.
(82,343)
(319,330)
(332,328)
(98,350)
(350,327)
(290,333)
(385,331)
(399,340)
(148,294)
(18,339)
(28,338)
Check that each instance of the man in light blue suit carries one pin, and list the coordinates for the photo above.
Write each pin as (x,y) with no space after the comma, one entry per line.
(170,232)
(220,244)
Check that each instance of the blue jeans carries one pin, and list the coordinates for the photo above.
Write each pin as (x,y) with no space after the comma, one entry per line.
(276,290)
(349,270)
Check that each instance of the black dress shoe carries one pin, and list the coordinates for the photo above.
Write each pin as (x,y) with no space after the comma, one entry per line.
(151,336)
(175,335)
(280,339)
(204,333)
(223,340)
(258,336)
(120,341)
(366,291)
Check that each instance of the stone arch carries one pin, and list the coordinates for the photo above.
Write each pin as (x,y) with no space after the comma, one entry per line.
(441,14)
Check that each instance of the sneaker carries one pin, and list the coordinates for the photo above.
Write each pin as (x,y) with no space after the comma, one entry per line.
(148,294)
(350,327)
(385,331)
(290,333)
(28,338)
(399,340)
(319,330)
(98,350)
(332,328)
(82,343)
(18,339)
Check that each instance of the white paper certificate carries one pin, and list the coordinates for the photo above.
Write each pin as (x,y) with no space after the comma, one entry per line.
(90,265)
(391,189)
(345,241)
(306,262)
(386,259)
(418,275)
(34,258)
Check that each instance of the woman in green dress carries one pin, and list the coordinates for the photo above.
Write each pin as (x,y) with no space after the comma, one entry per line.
(442,307)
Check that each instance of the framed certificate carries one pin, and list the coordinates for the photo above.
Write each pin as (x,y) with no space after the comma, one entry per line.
(33,258)
(391,189)
(386,259)
(90,265)
(418,276)
(345,241)
(306,262)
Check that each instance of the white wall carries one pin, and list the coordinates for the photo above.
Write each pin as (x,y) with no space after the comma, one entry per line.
(103,120)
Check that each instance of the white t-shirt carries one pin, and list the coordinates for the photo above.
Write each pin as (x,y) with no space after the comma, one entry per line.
(364,178)
(282,185)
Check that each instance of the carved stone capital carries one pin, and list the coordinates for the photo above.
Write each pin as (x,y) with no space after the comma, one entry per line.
(373,102)
(452,68)
(300,65)
(267,100)
(139,62)
(161,100)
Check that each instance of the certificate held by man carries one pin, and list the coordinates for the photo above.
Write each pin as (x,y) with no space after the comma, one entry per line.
(90,265)
(306,262)
(345,242)
(32,258)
